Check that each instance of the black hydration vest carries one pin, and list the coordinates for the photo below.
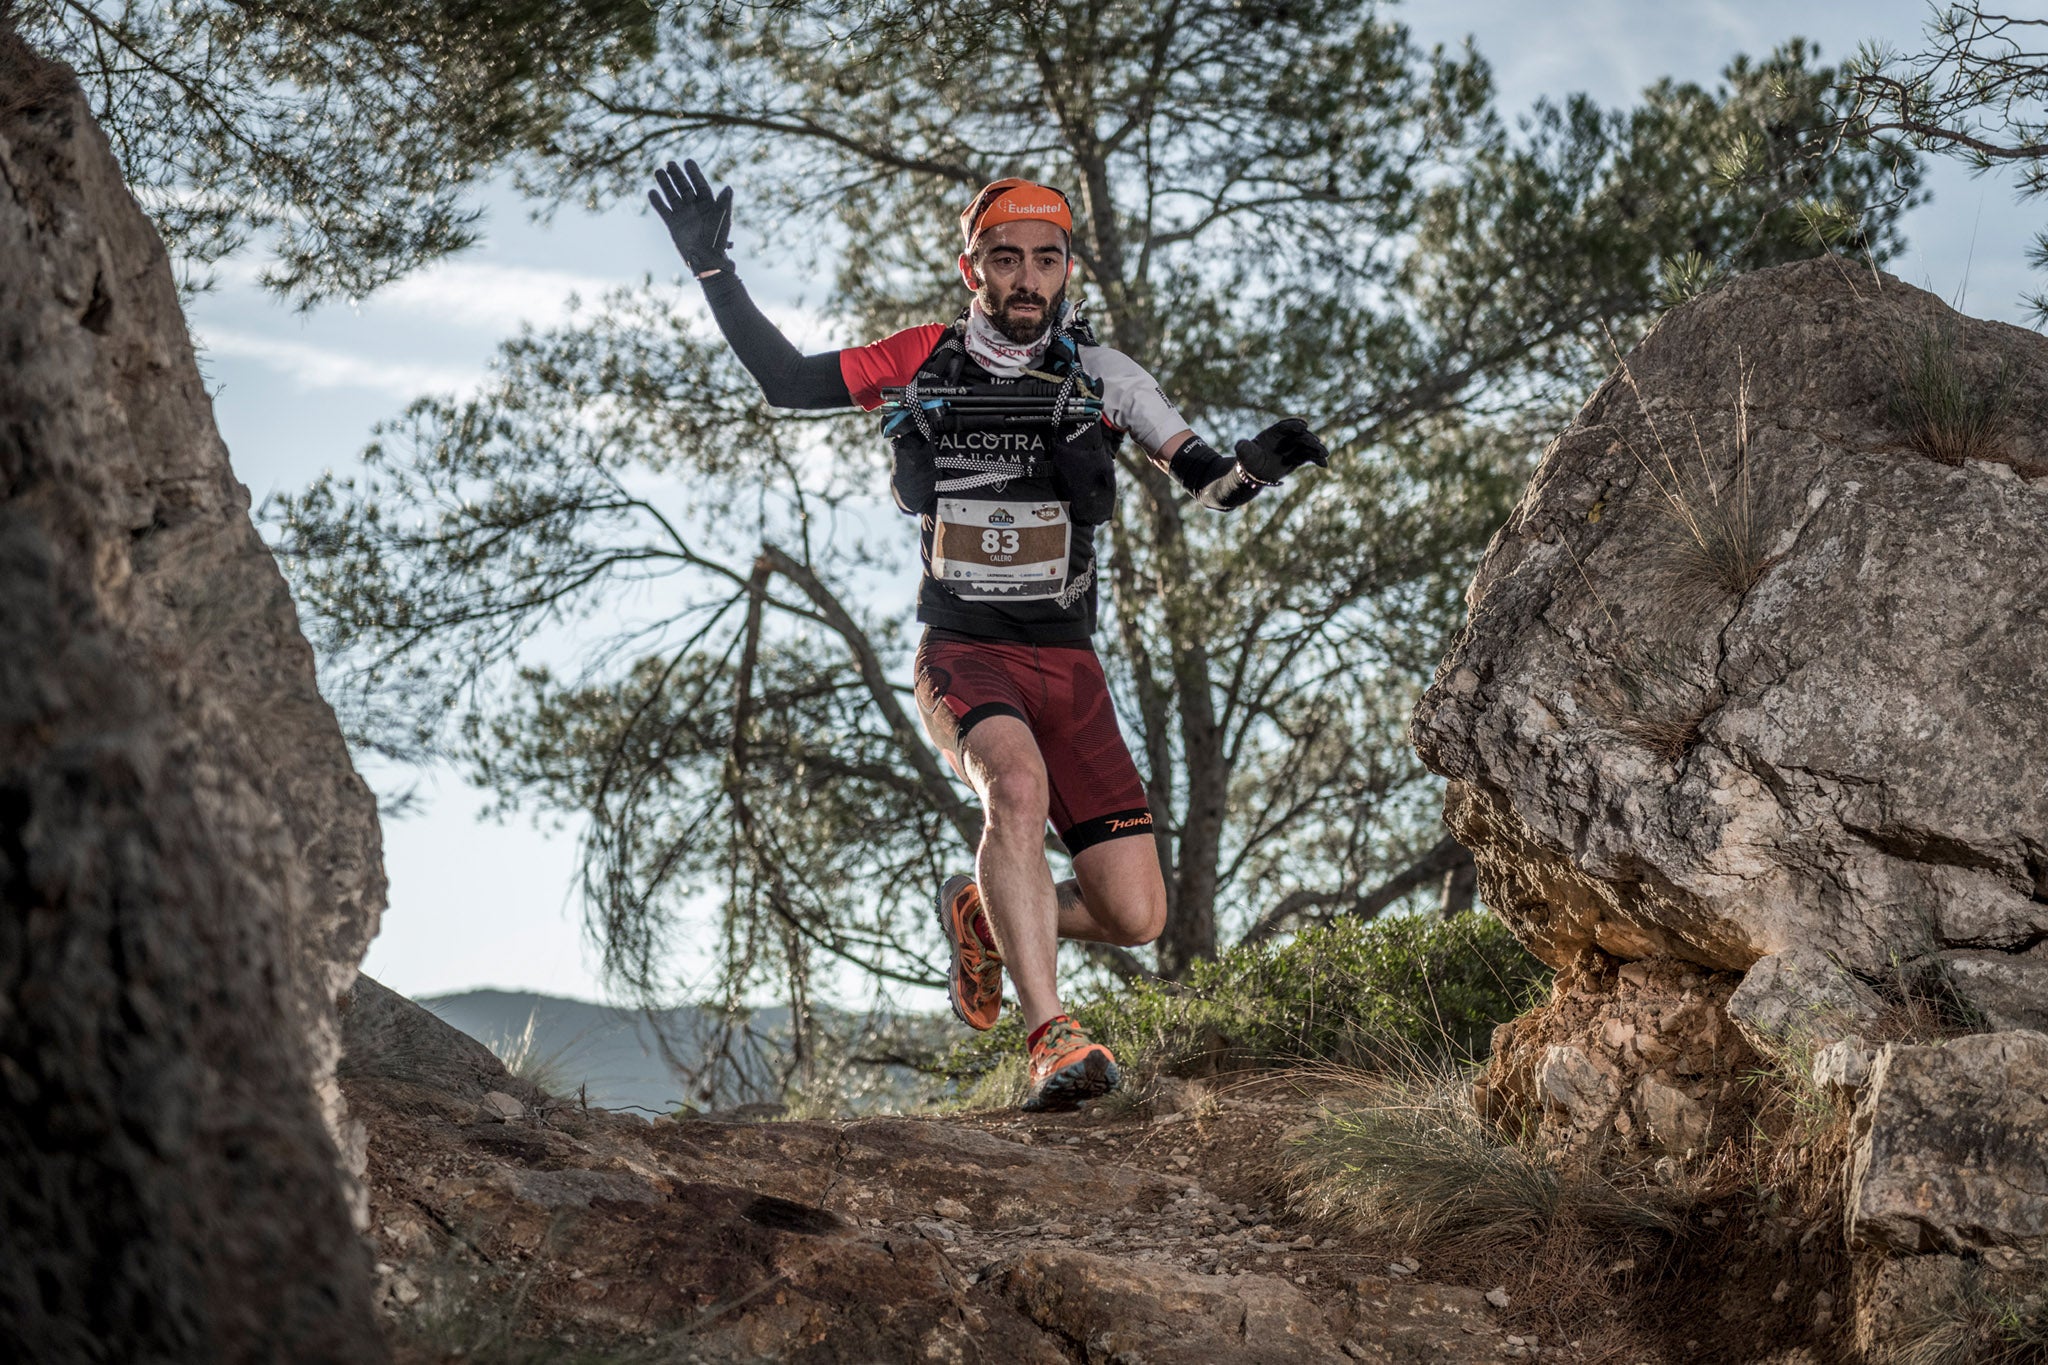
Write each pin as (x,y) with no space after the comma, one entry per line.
(1006,517)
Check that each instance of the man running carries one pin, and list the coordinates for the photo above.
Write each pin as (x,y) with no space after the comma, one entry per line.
(1008,685)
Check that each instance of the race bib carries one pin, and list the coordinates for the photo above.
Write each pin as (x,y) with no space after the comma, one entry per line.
(1015,551)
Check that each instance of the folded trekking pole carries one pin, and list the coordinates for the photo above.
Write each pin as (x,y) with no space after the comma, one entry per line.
(984,407)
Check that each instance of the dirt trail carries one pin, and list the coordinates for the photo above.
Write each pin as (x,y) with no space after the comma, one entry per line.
(1143,1236)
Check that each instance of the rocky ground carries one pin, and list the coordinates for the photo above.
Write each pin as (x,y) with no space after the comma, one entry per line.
(1152,1229)
(1148,1234)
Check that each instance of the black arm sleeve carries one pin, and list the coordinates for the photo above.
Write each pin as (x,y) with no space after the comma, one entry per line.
(1217,481)
(788,378)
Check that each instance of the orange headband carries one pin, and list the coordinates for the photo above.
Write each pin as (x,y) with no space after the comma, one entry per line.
(1015,201)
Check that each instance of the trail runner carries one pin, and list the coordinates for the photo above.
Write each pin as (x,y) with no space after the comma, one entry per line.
(1008,685)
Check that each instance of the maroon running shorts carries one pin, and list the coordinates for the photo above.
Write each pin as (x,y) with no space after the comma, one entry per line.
(1060,692)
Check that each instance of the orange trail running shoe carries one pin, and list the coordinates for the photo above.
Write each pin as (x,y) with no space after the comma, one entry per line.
(1067,1067)
(975,984)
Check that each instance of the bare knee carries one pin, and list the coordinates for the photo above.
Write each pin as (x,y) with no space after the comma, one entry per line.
(1140,921)
(1015,800)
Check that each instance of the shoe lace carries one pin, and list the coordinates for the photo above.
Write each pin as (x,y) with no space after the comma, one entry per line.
(1063,1034)
(978,957)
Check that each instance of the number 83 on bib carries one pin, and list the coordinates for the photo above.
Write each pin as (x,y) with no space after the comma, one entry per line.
(1016,551)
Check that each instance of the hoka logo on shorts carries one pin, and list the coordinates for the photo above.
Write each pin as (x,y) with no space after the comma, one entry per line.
(1118,825)
(1000,518)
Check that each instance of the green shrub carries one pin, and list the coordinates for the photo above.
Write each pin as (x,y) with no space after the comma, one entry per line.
(1355,995)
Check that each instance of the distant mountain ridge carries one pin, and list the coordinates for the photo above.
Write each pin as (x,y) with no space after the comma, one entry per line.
(608,1052)
(612,1055)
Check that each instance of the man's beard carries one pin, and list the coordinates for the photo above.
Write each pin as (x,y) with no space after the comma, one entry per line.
(1025,330)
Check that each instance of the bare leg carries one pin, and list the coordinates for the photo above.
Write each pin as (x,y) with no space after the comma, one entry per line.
(1117,894)
(1000,760)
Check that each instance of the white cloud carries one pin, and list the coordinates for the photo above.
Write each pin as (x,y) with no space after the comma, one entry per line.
(495,298)
(320,367)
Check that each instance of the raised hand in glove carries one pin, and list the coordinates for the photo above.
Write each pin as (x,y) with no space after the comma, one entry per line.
(698,221)
(1281,449)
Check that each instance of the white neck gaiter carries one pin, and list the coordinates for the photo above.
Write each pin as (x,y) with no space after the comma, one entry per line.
(996,353)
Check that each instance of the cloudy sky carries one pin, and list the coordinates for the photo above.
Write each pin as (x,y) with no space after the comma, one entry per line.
(476,904)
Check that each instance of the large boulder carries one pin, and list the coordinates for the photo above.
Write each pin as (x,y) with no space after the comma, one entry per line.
(1745,672)
(189,864)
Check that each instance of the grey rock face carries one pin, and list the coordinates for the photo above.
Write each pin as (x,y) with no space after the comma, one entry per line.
(1799,994)
(1849,754)
(1950,1147)
(188,863)
(2007,990)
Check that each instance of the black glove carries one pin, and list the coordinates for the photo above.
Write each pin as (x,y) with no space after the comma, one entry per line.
(700,223)
(1281,449)
(1086,468)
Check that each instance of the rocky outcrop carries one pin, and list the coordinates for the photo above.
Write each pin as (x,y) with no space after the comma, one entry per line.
(387,1037)
(188,862)
(1800,997)
(1744,673)
(1751,685)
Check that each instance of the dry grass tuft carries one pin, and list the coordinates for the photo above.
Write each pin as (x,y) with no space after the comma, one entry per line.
(522,1056)
(1408,1163)
(1942,409)
(1619,1253)
(1665,735)
(28,82)
(1411,1158)
(1711,542)
(1988,1320)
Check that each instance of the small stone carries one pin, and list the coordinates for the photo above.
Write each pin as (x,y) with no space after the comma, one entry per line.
(404,1290)
(499,1107)
(1304,1241)
(952,1208)
(1498,1296)
(1784,1288)
(1842,1068)
(1354,1350)
(1181,1161)
(1396,1268)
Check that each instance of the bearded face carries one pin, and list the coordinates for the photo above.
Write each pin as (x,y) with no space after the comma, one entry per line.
(1019,275)
(1021,314)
